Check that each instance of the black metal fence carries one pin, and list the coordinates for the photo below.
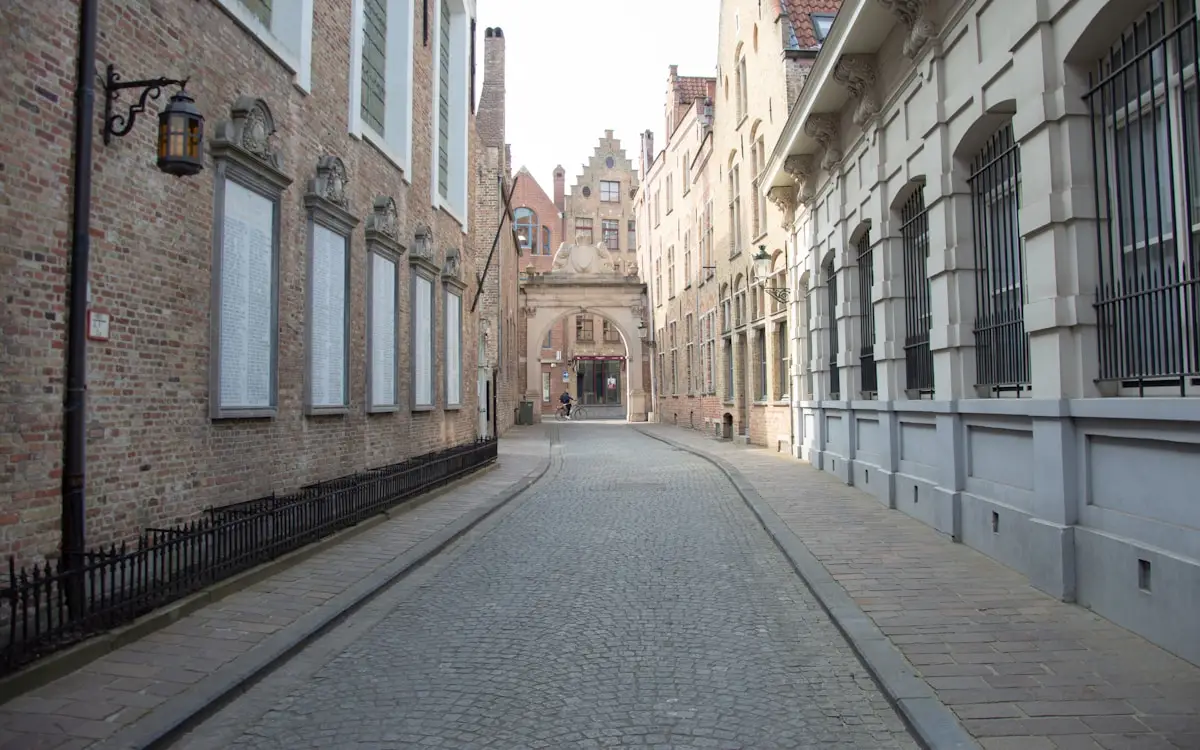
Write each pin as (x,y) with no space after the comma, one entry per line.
(1146,128)
(48,606)
(918,313)
(866,282)
(1001,344)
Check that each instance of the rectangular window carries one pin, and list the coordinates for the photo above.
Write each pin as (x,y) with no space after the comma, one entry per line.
(918,315)
(549,342)
(245,310)
(584,329)
(743,93)
(1001,344)
(821,22)
(708,238)
(611,334)
(727,352)
(866,285)
(632,238)
(831,301)
(545,387)
(670,194)
(422,336)
(760,198)
(444,102)
(453,354)
(611,231)
(657,212)
(610,191)
(783,348)
(674,360)
(583,231)
(381,72)
(760,356)
(689,370)
(735,211)
(670,272)
(687,172)
(658,280)
(1146,130)
(687,260)
(282,26)
(451,103)
(328,326)
(381,334)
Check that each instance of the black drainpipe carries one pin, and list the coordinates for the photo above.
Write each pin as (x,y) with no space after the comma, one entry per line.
(75,399)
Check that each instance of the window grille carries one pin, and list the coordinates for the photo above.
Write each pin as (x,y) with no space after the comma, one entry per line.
(914,231)
(1001,344)
(1146,152)
(866,282)
(835,375)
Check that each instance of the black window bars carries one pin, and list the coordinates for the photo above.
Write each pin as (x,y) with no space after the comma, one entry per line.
(918,359)
(866,282)
(1146,154)
(1001,343)
(835,375)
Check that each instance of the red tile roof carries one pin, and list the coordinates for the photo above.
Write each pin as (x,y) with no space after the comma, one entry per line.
(799,12)
(690,88)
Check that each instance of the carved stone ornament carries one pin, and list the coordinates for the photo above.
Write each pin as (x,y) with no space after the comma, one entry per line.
(384,219)
(422,243)
(857,74)
(330,182)
(450,267)
(784,198)
(912,13)
(253,128)
(824,129)
(802,168)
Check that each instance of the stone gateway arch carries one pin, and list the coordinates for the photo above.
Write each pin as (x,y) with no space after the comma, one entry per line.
(584,280)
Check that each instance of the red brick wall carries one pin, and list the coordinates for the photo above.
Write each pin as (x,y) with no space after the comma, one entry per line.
(154,456)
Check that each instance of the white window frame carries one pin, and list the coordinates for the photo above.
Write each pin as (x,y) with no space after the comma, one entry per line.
(396,144)
(289,38)
(453,351)
(461,13)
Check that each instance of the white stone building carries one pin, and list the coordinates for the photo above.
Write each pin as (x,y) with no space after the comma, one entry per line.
(995,259)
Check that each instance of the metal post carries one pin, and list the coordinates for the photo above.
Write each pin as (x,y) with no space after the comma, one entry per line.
(75,398)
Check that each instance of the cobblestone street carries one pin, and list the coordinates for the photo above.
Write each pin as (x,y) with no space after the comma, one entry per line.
(630,598)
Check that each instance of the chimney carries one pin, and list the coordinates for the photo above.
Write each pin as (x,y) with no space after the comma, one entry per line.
(560,188)
(648,148)
(490,115)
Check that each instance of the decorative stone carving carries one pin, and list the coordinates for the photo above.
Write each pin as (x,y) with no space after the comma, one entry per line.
(802,168)
(636,311)
(857,74)
(784,198)
(423,243)
(384,218)
(912,13)
(245,140)
(824,128)
(583,259)
(330,182)
(450,268)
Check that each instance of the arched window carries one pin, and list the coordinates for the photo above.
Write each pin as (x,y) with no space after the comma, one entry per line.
(866,283)
(835,380)
(527,227)
(918,314)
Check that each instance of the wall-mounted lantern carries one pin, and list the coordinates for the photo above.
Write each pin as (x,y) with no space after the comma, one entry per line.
(762,270)
(180,124)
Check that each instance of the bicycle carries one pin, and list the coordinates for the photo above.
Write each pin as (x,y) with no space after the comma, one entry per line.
(577,412)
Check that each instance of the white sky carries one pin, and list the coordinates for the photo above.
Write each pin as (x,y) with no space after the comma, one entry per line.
(575,69)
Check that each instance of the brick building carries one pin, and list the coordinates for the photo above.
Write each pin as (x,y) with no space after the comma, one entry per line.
(356,131)
(720,307)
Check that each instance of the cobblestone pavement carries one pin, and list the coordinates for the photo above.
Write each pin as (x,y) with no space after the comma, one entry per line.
(629,599)
(1021,670)
(119,689)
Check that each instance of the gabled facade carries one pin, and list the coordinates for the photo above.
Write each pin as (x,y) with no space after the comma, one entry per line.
(996,268)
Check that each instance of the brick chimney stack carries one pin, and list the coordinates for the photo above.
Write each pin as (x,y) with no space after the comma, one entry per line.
(490,116)
(560,188)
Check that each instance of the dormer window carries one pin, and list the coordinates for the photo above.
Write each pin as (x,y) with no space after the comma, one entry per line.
(821,22)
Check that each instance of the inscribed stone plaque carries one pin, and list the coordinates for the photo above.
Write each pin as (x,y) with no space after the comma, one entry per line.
(423,342)
(247,299)
(383,331)
(327,347)
(453,351)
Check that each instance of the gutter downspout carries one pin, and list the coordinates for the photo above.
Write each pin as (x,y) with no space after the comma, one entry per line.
(75,395)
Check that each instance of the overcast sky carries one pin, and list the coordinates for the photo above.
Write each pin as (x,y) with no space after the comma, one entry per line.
(576,69)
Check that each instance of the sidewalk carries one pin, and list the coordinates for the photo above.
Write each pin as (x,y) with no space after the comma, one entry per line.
(145,690)
(1018,668)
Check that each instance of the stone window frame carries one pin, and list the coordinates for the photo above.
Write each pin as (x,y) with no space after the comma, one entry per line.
(326,206)
(288,37)
(423,267)
(382,239)
(610,191)
(397,146)
(241,151)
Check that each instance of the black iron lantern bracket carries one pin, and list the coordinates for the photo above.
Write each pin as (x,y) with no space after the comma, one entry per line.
(780,293)
(120,124)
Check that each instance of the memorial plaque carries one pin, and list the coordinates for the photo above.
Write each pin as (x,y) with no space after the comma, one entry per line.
(327,319)
(453,350)
(423,342)
(247,300)
(383,331)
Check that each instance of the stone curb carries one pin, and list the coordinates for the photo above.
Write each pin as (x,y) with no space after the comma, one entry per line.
(931,721)
(165,723)
(50,668)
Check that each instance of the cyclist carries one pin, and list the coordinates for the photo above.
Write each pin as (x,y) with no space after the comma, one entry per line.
(565,399)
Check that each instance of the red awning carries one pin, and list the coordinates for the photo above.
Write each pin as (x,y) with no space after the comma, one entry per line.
(617,357)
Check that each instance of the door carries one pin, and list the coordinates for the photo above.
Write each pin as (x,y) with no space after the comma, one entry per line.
(483,390)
